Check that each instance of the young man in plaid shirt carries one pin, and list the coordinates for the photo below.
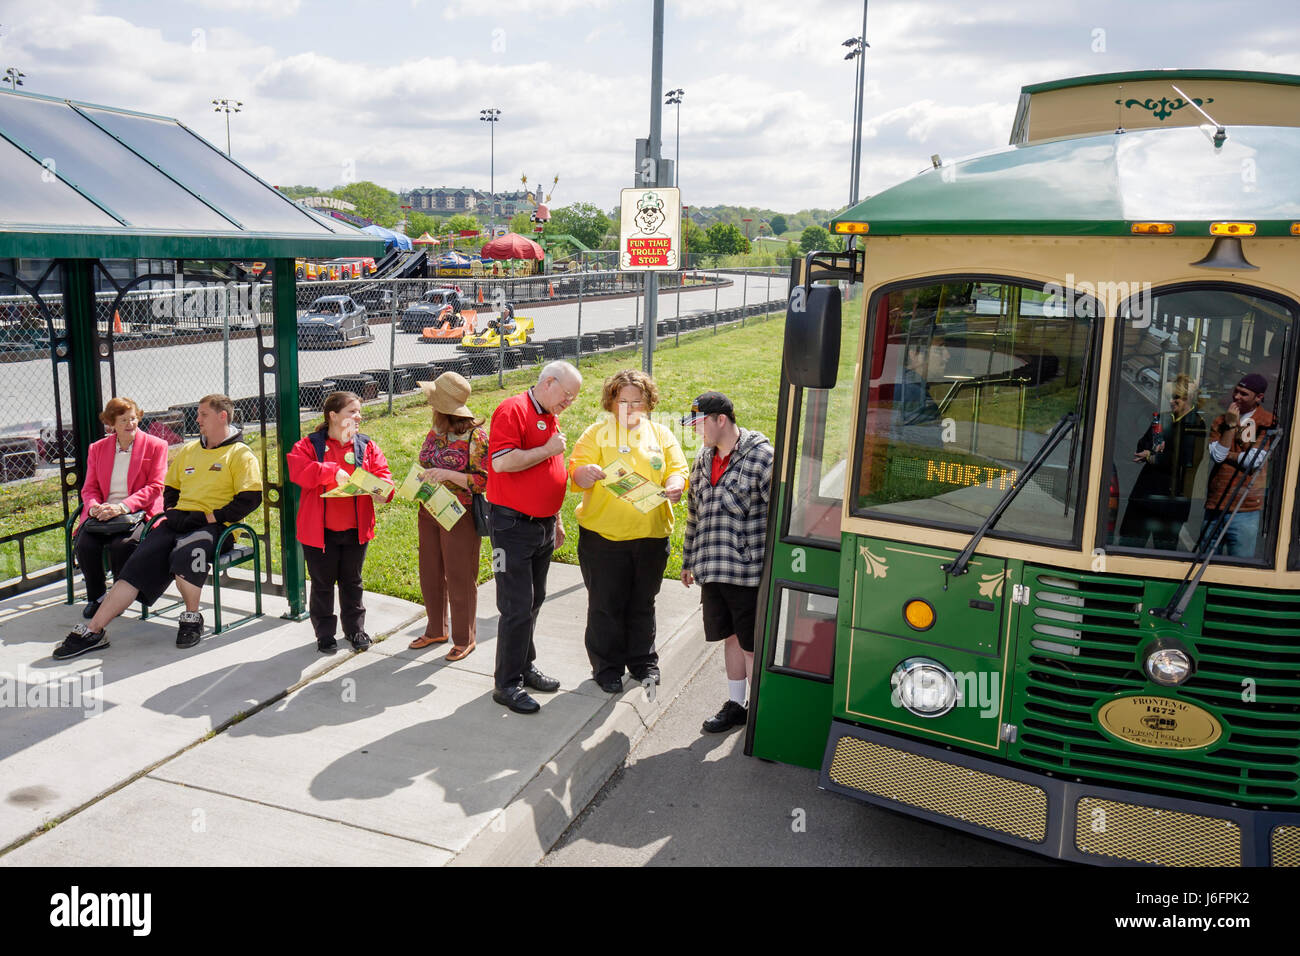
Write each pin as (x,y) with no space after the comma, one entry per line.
(726,533)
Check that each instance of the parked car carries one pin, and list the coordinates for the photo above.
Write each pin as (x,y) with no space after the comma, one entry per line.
(333,321)
(431,305)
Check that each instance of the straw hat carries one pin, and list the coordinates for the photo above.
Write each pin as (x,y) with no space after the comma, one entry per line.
(447,394)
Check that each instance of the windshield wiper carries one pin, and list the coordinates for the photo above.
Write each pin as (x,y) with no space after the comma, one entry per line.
(1212,535)
(1067,423)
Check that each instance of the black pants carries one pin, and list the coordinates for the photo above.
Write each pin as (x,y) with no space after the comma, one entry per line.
(622,578)
(90,558)
(521,559)
(339,562)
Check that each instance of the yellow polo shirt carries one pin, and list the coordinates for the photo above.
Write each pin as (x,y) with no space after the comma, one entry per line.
(208,478)
(650,449)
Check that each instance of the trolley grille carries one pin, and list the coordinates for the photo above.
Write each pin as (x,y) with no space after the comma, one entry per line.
(1080,645)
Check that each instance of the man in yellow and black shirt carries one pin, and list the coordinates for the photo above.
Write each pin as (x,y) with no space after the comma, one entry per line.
(211,483)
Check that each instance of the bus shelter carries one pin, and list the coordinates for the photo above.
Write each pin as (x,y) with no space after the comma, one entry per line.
(137,259)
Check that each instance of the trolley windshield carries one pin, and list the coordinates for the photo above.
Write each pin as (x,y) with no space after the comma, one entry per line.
(967,378)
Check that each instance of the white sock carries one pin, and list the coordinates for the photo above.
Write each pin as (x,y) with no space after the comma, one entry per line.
(736,690)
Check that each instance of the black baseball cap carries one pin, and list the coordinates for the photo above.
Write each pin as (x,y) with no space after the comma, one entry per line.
(710,403)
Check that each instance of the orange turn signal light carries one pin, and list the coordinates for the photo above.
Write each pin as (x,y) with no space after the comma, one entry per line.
(1295,228)
(918,614)
(1232,228)
(852,228)
(1153,228)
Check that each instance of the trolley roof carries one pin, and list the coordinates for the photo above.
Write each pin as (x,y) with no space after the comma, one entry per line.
(85,181)
(1100,185)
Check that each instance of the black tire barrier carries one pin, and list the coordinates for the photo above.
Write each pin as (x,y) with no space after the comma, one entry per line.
(419,371)
(362,385)
(461,366)
(312,394)
(383,378)
(606,339)
(530,354)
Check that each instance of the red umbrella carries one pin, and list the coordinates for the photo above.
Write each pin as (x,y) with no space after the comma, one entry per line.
(512,246)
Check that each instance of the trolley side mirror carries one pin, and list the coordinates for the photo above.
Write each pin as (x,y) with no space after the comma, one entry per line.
(812,336)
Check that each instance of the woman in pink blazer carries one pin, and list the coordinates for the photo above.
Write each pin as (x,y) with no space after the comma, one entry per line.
(124,475)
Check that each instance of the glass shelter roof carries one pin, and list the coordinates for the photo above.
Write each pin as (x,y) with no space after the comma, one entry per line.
(86,181)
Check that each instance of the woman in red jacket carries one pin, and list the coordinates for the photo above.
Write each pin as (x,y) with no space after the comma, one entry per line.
(124,476)
(334,532)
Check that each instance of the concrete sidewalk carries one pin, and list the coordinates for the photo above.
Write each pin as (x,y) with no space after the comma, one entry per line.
(389,757)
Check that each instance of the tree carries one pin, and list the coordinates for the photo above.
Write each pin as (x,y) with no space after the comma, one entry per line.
(814,238)
(581,220)
(777,223)
(418,223)
(695,239)
(522,224)
(373,201)
(726,240)
(462,223)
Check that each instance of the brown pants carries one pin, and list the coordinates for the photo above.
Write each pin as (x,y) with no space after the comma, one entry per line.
(449,576)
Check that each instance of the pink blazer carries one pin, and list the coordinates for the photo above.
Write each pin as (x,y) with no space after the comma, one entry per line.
(144,477)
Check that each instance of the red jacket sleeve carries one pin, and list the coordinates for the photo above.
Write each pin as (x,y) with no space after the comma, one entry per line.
(306,471)
(91,493)
(147,496)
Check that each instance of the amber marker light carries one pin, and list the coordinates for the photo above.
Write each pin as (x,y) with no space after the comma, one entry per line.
(1295,228)
(1152,228)
(918,614)
(852,228)
(1232,228)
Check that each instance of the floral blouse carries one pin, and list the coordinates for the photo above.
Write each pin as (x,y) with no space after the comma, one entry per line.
(464,453)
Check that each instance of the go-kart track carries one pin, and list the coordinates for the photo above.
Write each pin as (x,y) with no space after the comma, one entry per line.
(160,376)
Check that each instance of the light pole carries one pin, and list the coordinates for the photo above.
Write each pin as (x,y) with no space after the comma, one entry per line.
(491,116)
(227,107)
(674,98)
(857,50)
(14,77)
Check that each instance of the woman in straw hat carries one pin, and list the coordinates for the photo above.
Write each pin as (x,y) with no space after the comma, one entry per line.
(453,453)
(334,532)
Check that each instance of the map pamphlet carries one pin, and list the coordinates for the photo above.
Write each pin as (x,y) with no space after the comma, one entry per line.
(445,507)
(640,492)
(361,482)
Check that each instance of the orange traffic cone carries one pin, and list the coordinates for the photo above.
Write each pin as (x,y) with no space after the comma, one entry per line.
(480,295)
(117,323)
(551,288)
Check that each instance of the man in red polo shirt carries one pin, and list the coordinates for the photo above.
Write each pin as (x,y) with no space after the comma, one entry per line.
(526,484)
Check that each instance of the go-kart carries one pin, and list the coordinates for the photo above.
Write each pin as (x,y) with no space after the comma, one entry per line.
(448,326)
(489,337)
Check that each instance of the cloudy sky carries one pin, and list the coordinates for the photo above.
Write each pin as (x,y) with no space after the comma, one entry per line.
(391,91)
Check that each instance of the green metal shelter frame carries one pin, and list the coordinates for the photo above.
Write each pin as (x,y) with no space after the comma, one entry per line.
(87,183)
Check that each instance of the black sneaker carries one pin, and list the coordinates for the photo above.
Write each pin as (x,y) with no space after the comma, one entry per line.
(643,674)
(327,646)
(611,685)
(359,641)
(190,631)
(79,641)
(731,715)
(536,680)
(91,607)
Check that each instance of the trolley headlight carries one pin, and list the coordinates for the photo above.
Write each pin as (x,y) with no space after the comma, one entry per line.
(924,687)
(1167,663)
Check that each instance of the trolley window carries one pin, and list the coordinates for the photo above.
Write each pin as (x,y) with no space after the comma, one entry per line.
(805,630)
(966,380)
(1198,397)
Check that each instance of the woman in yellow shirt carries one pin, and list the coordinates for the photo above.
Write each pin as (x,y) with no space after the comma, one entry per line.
(622,548)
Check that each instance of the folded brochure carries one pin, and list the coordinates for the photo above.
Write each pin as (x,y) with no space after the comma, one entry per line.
(622,481)
(361,482)
(445,507)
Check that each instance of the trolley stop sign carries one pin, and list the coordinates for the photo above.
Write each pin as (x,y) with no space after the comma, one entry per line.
(650,229)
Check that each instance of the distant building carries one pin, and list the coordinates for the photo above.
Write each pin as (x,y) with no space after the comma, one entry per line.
(445,201)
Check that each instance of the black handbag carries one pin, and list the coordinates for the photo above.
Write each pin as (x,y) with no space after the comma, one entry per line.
(121,524)
(482,511)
